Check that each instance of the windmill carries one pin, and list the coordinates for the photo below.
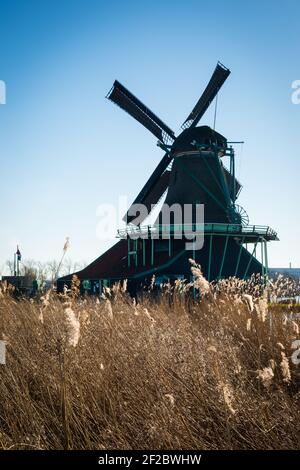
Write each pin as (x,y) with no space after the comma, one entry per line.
(191,172)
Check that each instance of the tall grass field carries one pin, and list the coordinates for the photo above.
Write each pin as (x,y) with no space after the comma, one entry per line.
(217,369)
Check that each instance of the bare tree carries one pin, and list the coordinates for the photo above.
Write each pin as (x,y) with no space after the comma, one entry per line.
(10,265)
(42,271)
(49,270)
(52,268)
(79,265)
(67,266)
(28,266)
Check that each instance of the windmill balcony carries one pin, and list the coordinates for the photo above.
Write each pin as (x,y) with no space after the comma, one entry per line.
(249,233)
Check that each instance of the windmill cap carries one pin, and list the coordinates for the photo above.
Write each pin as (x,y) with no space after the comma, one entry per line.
(202,135)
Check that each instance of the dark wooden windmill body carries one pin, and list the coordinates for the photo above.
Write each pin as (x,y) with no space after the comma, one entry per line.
(191,173)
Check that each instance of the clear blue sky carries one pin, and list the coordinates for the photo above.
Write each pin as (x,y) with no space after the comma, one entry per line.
(64,149)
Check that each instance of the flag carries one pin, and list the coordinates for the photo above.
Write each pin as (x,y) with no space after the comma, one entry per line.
(18,253)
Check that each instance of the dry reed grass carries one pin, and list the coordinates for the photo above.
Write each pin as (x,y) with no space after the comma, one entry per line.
(174,373)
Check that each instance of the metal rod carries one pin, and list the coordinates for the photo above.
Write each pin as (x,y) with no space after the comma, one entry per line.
(262,260)
(266,260)
(239,257)
(233,176)
(128,252)
(152,251)
(250,260)
(135,246)
(226,190)
(212,173)
(209,260)
(223,257)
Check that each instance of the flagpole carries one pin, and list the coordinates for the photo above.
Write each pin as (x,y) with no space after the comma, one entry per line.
(15,267)
(18,257)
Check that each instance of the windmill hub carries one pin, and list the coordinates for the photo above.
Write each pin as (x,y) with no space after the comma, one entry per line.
(199,174)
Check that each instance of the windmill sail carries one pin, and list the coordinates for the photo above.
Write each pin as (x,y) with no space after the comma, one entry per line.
(154,196)
(152,191)
(218,78)
(127,101)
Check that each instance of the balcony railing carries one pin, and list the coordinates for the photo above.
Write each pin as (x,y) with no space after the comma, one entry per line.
(156,231)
